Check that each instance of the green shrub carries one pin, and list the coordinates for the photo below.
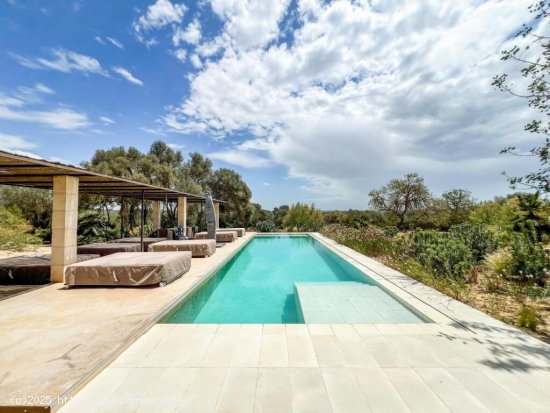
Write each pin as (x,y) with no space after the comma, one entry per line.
(499,262)
(442,254)
(529,261)
(302,217)
(478,238)
(92,227)
(266,226)
(15,230)
(528,317)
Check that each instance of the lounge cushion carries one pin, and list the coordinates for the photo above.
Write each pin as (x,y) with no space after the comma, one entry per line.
(227,236)
(240,231)
(197,247)
(30,269)
(131,269)
(137,240)
(107,248)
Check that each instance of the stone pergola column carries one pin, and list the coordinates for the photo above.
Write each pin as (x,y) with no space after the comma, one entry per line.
(182,213)
(64,225)
(157,214)
(217,212)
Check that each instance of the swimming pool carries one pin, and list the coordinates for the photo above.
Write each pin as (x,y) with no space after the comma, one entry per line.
(260,283)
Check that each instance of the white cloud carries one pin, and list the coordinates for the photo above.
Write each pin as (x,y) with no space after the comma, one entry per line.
(152,131)
(361,92)
(180,54)
(115,42)
(192,34)
(241,158)
(12,143)
(175,146)
(106,120)
(196,61)
(15,107)
(160,14)
(65,61)
(127,75)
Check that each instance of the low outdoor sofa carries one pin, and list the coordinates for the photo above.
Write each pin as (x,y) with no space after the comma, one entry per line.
(137,240)
(107,248)
(240,231)
(197,247)
(221,236)
(129,269)
(30,269)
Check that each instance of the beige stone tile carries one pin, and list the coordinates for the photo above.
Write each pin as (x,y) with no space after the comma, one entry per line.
(296,330)
(229,329)
(450,391)
(165,393)
(389,329)
(328,351)
(134,355)
(203,391)
(274,329)
(309,394)
(344,331)
(273,392)
(178,351)
(205,329)
(384,352)
(343,391)
(273,352)
(247,351)
(356,354)
(494,397)
(438,348)
(320,329)
(251,330)
(366,329)
(379,392)
(219,351)
(300,351)
(238,391)
(415,392)
(413,350)
(410,328)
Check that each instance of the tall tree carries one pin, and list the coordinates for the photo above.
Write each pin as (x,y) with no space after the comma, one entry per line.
(229,186)
(459,203)
(402,198)
(532,57)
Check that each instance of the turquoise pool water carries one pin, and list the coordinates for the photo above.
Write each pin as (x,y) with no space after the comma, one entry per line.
(257,285)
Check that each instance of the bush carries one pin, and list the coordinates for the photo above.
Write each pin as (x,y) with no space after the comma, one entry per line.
(92,227)
(266,226)
(528,317)
(479,239)
(529,261)
(15,230)
(302,217)
(499,262)
(443,255)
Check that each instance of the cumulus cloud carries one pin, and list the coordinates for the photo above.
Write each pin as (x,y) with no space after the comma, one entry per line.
(241,158)
(180,54)
(354,93)
(192,34)
(160,14)
(65,61)
(127,75)
(19,107)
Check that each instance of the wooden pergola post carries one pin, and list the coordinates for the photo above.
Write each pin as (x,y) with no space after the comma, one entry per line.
(217,212)
(182,213)
(64,225)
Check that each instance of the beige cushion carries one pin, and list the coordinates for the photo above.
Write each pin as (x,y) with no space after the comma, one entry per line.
(197,247)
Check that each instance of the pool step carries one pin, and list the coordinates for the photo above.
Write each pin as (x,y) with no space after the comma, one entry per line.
(350,302)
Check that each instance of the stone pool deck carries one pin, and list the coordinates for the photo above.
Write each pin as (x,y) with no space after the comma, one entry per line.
(52,338)
(464,361)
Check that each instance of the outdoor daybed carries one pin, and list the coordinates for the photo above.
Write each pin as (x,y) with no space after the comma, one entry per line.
(197,247)
(30,269)
(107,248)
(221,236)
(129,269)
(240,231)
(137,240)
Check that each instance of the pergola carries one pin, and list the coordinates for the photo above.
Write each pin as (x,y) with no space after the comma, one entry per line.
(66,182)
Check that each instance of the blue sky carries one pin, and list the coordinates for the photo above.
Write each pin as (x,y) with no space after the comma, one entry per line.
(309,100)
